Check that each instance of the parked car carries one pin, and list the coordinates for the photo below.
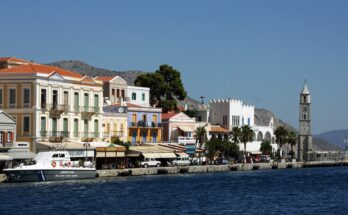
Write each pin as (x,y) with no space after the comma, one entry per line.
(265,158)
(150,162)
(221,161)
(182,161)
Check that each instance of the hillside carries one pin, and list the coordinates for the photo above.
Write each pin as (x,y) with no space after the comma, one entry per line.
(335,137)
(86,69)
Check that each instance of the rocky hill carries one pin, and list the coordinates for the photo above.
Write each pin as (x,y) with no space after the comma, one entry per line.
(335,137)
(86,69)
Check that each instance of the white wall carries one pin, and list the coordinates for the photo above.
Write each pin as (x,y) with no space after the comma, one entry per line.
(139,91)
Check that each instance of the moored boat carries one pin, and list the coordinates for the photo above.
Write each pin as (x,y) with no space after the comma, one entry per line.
(51,166)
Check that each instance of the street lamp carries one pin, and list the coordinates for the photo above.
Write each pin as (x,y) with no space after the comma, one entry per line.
(86,145)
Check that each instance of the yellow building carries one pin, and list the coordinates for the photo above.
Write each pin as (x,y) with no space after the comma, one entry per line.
(50,104)
(115,123)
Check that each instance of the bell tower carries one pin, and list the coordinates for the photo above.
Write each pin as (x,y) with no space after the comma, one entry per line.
(305,147)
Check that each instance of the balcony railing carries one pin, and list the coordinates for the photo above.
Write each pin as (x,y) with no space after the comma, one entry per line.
(145,124)
(6,144)
(54,133)
(186,140)
(113,134)
(89,134)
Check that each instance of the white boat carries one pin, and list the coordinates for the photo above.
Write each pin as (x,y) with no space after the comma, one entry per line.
(51,166)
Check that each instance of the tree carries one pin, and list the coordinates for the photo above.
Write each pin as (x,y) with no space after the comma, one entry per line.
(292,140)
(236,132)
(165,85)
(246,136)
(117,141)
(212,148)
(281,134)
(231,149)
(266,148)
(200,136)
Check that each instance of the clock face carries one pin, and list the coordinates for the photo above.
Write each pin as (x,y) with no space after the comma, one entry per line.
(120,109)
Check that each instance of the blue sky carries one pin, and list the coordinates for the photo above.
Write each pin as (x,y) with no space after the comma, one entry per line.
(257,51)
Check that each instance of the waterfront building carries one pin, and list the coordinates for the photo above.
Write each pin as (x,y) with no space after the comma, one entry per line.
(114,89)
(230,113)
(305,142)
(144,124)
(7,131)
(50,104)
(115,123)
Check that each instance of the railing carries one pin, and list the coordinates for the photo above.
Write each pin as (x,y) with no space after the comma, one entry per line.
(89,109)
(59,107)
(89,134)
(6,144)
(145,124)
(54,133)
(186,140)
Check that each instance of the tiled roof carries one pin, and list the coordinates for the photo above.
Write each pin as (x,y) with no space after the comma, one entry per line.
(105,78)
(38,68)
(218,129)
(13,59)
(168,115)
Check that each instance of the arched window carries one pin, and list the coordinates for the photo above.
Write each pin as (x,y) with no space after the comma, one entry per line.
(259,136)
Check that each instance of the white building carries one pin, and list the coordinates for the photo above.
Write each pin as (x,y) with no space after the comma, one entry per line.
(230,113)
(139,95)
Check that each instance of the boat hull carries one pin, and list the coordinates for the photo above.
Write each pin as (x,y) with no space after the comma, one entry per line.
(49,175)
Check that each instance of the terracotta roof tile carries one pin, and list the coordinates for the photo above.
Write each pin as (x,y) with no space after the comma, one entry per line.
(105,78)
(218,129)
(38,68)
(13,59)
(168,115)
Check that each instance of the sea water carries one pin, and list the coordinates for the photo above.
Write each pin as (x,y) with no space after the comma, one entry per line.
(288,191)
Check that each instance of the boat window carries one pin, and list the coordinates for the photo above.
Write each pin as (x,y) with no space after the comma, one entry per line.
(55,155)
(61,155)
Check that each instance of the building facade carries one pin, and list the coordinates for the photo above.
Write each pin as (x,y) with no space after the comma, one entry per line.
(144,124)
(139,95)
(115,123)
(7,131)
(114,89)
(305,141)
(50,104)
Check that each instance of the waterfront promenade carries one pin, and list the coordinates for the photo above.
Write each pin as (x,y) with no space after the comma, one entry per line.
(216,168)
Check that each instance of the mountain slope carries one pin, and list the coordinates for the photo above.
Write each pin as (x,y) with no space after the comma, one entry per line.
(335,137)
(85,69)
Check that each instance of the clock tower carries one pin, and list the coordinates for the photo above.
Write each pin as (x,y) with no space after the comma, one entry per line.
(305,145)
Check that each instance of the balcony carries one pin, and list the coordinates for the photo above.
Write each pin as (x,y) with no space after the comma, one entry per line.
(89,111)
(186,140)
(56,109)
(89,134)
(145,124)
(55,136)
(6,145)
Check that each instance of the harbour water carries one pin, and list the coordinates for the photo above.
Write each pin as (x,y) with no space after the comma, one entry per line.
(288,191)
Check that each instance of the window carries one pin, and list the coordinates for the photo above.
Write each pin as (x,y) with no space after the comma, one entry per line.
(118,93)
(224,120)
(304,99)
(305,109)
(134,96)
(26,97)
(235,120)
(249,121)
(43,98)
(113,92)
(143,96)
(43,123)
(134,118)
(154,118)
(305,116)
(66,98)
(12,98)
(76,102)
(26,124)
(144,118)
(0,98)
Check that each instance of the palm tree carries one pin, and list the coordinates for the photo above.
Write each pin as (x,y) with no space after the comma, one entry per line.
(236,134)
(292,140)
(281,134)
(200,135)
(246,136)
(266,147)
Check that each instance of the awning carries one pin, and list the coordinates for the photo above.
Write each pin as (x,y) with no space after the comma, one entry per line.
(185,129)
(159,155)
(256,153)
(110,154)
(181,154)
(22,155)
(63,145)
(5,157)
